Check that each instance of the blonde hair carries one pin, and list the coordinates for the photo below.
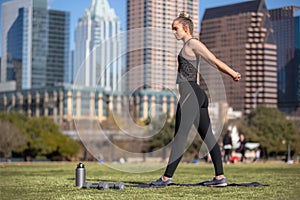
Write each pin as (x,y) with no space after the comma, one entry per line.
(185,19)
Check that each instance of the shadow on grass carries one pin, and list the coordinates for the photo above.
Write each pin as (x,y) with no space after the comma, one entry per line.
(148,185)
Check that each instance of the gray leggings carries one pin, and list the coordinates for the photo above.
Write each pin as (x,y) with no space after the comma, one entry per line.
(193,109)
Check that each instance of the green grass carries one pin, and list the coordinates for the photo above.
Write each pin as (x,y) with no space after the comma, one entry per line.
(57,181)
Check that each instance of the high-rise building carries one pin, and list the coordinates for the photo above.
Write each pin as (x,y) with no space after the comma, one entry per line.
(58,68)
(284,29)
(16,13)
(71,67)
(98,47)
(297,53)
(152,56)
(35,44)
(242,36)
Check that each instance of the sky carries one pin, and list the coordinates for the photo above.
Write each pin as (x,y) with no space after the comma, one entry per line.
(77,8)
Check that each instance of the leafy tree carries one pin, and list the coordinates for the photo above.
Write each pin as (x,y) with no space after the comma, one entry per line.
(49,141)
(18,119)
(271,129)
(11,138)
(164,136)
(43,137)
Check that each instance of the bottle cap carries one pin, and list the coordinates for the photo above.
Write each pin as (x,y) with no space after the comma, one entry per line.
(80,165)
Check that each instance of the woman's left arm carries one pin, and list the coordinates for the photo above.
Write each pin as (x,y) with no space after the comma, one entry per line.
(200,49)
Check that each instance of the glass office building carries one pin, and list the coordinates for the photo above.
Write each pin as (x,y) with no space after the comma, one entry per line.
(35,44)
(58,48)
(285,29)
(14,50)
(16,53)
(39,43)
(297,54)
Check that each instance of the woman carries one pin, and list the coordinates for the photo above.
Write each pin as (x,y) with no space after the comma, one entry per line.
(193,103)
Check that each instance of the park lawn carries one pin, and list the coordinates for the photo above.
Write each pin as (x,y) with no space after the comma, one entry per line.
(57,181)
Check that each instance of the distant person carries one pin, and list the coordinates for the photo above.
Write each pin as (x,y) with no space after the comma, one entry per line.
(257,155)
(196,159)
(242,148)
(227,146)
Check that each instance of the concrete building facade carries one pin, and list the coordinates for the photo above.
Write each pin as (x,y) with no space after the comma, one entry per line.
(153,63)
(66,103)
(242,36)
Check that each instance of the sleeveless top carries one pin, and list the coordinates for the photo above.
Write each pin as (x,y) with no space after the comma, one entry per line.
(187,69)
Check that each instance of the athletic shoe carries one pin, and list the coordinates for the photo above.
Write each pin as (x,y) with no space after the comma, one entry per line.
(160,182)
(215,182)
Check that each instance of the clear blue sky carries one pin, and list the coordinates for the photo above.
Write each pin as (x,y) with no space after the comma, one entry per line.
(77,7)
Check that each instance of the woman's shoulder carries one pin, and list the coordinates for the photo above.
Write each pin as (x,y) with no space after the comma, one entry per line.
(194,42)
(193,39)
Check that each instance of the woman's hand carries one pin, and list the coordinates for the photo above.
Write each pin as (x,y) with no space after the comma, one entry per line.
(237,76)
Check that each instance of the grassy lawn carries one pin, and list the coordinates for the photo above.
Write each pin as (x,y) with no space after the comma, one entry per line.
(57,181)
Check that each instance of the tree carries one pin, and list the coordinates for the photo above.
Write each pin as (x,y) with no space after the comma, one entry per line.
(164,136)
(271,129)
(11,138)
(43,137)
(46,138)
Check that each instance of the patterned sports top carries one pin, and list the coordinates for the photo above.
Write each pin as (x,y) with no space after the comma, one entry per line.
(187,69)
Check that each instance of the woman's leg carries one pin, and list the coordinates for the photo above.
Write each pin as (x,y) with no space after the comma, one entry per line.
(202,122)
(185,116)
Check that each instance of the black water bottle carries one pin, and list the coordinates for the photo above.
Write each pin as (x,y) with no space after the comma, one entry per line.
(80,175)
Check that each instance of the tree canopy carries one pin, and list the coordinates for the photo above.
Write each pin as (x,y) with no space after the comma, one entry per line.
(11,138)
(42,137)
(271,129)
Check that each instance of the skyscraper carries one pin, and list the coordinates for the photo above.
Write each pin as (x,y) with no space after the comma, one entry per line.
(284,26)
(242,36)
(58,56)
(151,60)
(98,47)
(35,44)
(13,58)
(297,54)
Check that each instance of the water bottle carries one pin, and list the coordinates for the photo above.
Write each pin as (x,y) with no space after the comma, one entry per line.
(80,175)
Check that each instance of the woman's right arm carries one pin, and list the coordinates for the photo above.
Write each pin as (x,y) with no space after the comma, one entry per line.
(200,49)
